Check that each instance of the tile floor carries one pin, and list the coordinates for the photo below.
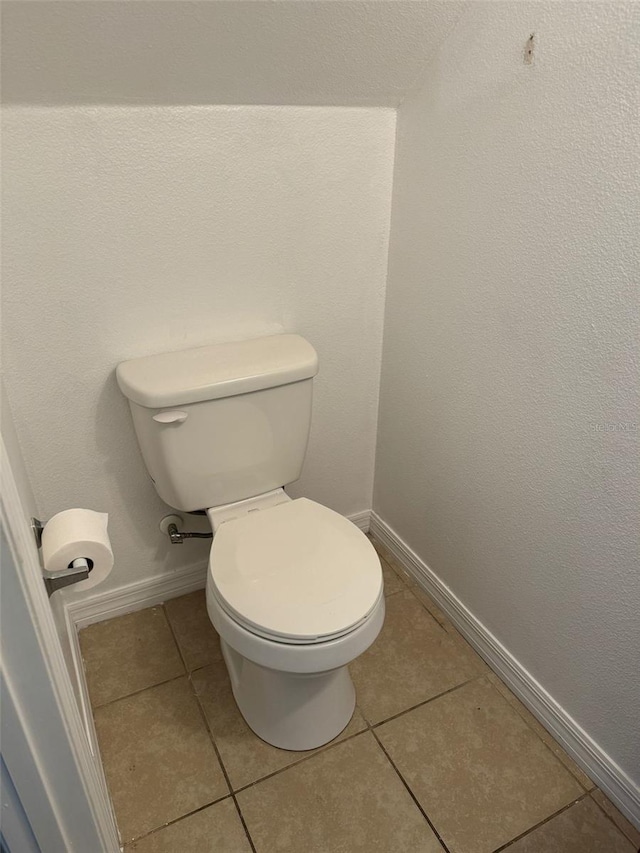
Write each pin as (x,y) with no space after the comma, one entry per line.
(439,756)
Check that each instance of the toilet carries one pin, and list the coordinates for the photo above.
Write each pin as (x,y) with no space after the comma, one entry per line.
(293,588)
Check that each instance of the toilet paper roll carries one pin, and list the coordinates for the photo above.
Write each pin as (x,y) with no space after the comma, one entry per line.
(78,533)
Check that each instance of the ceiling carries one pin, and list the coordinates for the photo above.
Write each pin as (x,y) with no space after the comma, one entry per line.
(315,52)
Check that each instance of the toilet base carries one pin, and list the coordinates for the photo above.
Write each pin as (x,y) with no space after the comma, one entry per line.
(291,710)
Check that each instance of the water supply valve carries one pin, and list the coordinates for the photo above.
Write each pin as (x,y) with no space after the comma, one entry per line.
(171,524)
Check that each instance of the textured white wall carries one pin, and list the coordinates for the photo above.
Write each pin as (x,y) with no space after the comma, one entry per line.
(14,455)
(133,230)
(510,342)
(130,231)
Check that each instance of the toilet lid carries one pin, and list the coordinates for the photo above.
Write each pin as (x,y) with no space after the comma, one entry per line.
(297,572)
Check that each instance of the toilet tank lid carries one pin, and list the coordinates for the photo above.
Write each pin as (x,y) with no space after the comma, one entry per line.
(220,370)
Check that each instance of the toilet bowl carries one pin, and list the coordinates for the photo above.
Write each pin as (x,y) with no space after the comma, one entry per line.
(295,593)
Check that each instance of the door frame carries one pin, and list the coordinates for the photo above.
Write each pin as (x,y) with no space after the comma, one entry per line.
(57,778)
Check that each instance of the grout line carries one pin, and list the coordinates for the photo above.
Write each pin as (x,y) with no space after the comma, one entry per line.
(204,717)
(95,708)
(212,739)
(211,736)
(392,594)
(410,792)
(177,820)
(222,766)
(541,823)
(318,750)
(209,663)
(175,639)
(369,727)
(213,742)
(157,684)
(425,702)
(610,817)
(244,825)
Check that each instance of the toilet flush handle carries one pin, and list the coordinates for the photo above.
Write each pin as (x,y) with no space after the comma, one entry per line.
(170,417)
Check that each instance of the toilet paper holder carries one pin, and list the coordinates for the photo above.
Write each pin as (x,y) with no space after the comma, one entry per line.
(53,581)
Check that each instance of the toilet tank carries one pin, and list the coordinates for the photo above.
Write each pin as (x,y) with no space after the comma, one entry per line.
(225,422)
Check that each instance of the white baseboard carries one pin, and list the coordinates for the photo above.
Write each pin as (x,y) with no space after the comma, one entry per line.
(361,519)
(135,596)
(599,766)
(84,701)
(81,680)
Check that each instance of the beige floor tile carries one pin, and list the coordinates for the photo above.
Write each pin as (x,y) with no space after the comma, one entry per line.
(431,606)
(583,828)
(618,818)
(542,733)
(392,582)
(127,654)
(479,771)
(457,638)
(246,758)
(158,758)
(196,636)
(408,580)
(412,660)
(216,829)
(347,799)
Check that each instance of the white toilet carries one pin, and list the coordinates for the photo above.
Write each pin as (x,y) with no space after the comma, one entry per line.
(293,588)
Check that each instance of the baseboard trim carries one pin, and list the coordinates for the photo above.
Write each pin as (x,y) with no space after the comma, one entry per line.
(81,680)
(600,767)
(361,519)
(136,596)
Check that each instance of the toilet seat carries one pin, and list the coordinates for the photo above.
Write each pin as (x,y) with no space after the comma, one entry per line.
(296,573)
